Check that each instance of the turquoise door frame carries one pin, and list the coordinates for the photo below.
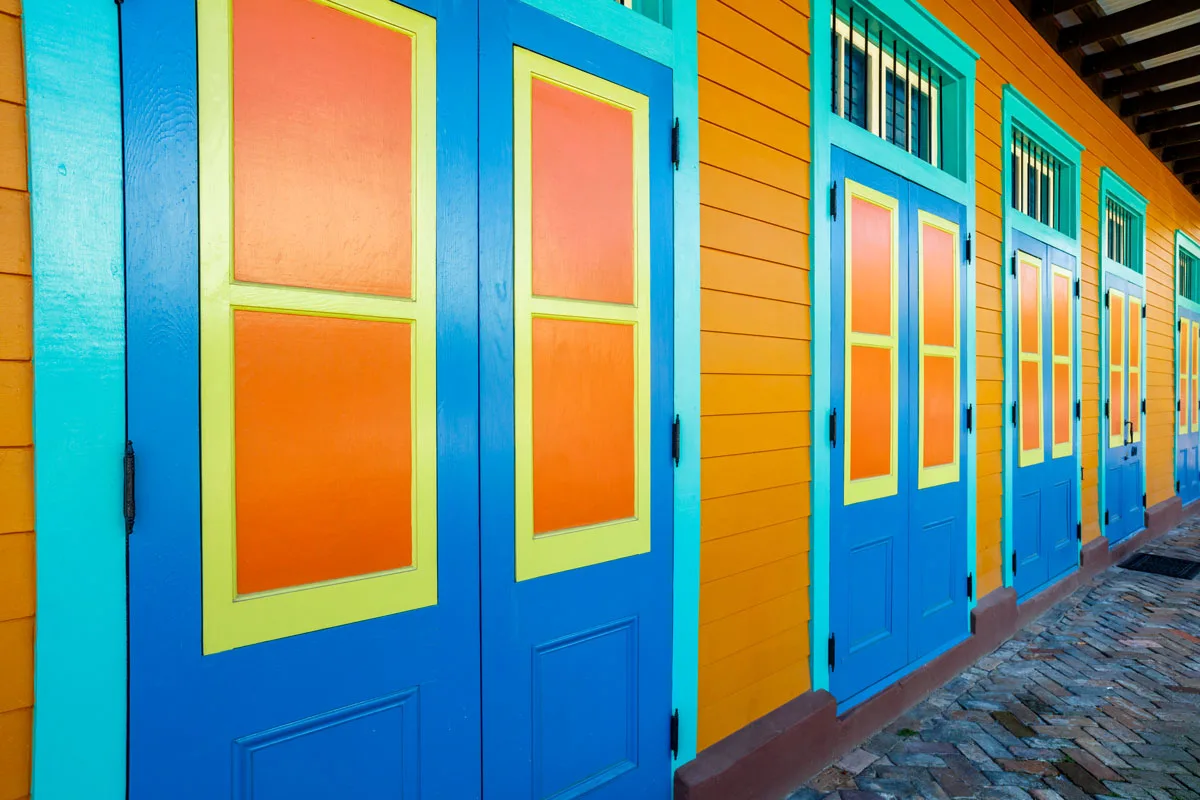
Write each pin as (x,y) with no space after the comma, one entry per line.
(957,184)
(1019,112)
(75,162)
(1113,185)
(1183,243)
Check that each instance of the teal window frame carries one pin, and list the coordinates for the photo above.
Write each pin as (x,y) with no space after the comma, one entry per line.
(638,28)
(1019,114)
(1186,244)
(951,55)
(1114,186)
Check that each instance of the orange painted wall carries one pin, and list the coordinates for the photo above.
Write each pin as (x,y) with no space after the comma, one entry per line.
(16,435)
(1012,52)
(755,359)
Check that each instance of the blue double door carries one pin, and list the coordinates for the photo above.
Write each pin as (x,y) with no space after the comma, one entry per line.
(899,569)
(1044,461)
(1122,367)
(1187,406)
(448,622)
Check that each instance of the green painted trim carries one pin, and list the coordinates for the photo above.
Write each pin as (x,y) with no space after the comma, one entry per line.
(1114,184)
(905,17)
(1018,112)
(615,22)
(685,652)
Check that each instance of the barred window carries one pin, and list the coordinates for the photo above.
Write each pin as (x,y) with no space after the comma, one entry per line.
(1040,183)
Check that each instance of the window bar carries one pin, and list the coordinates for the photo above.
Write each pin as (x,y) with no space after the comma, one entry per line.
(907,107)
(1035,184)
(835,87)
(920,112)
(881,85)
(892,91)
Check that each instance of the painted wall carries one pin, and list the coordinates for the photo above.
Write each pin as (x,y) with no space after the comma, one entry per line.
(755,322)
(755,360)
(1012,52)
(16,436)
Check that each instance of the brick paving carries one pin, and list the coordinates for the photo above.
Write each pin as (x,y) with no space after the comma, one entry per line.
(1100,697)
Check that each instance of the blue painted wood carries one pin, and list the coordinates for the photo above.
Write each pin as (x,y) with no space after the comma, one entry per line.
(898,582)
(582,614)
(686,644)
(869,570)
(1187,445)
(938,612)
(187,710)
(1044,502)
(74,126)
(613,21)
(1124,467)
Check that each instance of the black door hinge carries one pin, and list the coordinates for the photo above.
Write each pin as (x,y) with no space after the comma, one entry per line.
(1143,405)
(1143,499)
(675,733)
(1014,563)
(970,587)
(675,143)
(833,428)
(1106,291)
(968,244)
(1106,409)
(832,652)
(970,414)
(1143,310)
(1176,487)
(1014,413)
(130,495)
(1077,287)
(1078,410)
(1014,265)
(1106,516)
(675,440)
(1079,531)
(833,201)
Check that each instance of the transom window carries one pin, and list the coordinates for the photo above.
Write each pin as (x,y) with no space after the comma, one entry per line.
(887,85)
(657,10)
(1189,276)
(1123,234)
(1040,182)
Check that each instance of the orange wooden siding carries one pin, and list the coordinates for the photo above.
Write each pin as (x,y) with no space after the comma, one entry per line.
(755,360)
(16,434)
(1012,52)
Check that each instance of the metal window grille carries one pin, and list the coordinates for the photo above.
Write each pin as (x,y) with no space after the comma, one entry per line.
(657,10)
(1040,182)
(1189,276)
(1123,235)
(884,85)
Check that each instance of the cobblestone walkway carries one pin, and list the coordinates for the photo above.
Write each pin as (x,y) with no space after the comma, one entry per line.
(1100,697)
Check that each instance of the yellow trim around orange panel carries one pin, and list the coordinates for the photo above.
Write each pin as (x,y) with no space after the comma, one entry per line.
(876,487)
(1183,380)
(234,621)
(1134,374)
(1195,377)
(589,544)
(1116,405)
(1033,455)
(942,473)
(1060,449)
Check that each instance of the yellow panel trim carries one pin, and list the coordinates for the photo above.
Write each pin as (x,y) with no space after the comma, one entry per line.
(1195,405)
(559,551)
(864,489)
(1061,449)
(1033,455)
(942,473)
(1184,411)
(1116,405)
(1134,375)
(231,620)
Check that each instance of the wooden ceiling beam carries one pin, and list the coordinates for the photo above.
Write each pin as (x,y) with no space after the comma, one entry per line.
(1155,47)
(1151,78)
(1142,15)
(1048,8)
(1165,120)
(1157,101)
(1176,152)
(1175,136)
(1188,166)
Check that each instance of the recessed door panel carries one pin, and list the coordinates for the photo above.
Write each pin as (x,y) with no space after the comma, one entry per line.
(1124,333)
(1187,401)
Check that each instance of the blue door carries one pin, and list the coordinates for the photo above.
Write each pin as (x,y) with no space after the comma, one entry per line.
(576,322)
(1044,461)
(1124,408)
(899,575)
(303,570)
(1187,407)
